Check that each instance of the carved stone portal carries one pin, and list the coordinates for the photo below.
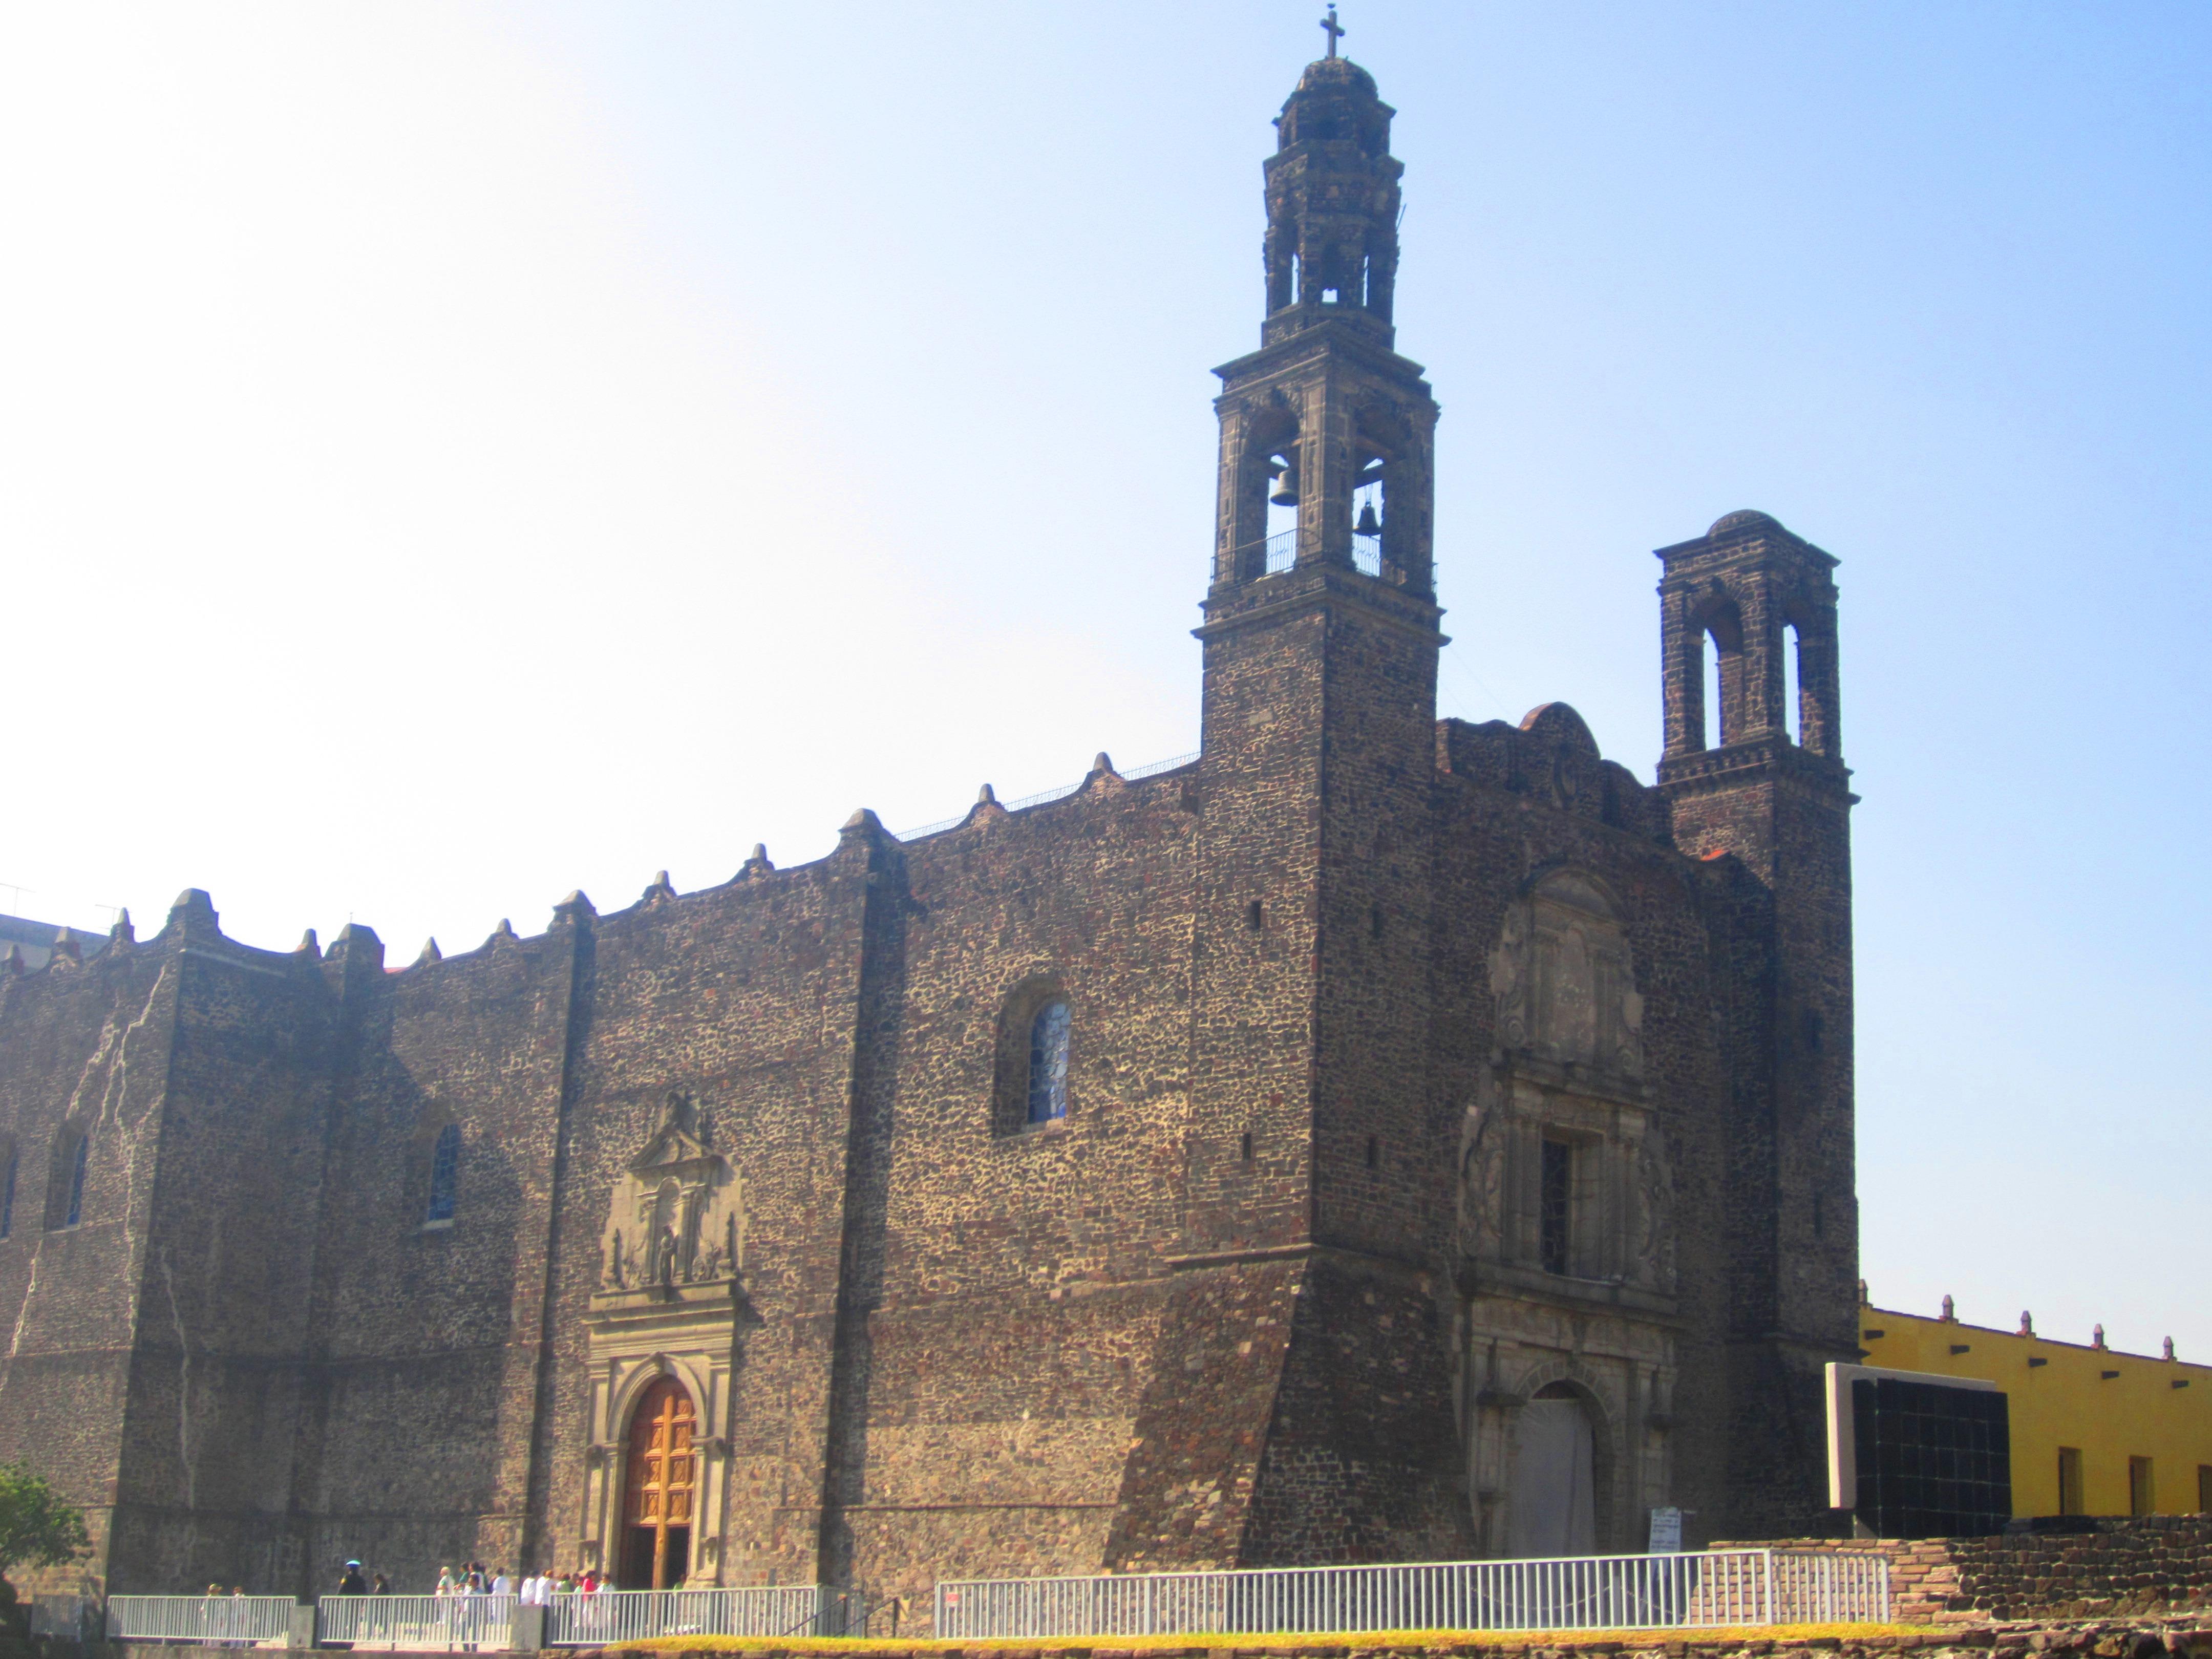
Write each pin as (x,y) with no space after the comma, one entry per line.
(1566,1226)
(1564,982)
(669,1304)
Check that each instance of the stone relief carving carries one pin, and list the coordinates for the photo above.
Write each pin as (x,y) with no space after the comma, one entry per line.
(676,1216)
(1564,981)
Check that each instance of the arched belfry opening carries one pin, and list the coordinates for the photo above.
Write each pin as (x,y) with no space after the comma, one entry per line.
(1261,512)
(1717,682)
(660,1484)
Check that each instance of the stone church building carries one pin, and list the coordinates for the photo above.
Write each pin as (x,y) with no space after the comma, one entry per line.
(1378,1138)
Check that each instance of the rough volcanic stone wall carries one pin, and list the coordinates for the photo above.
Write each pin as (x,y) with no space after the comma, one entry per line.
(2115,1566)
(83,1046)
(1014,1277)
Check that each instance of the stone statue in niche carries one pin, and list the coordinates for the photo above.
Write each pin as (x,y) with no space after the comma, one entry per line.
(1655,1191)
(1508,964)
(676,1216)
(1565,982)
(1482,1174)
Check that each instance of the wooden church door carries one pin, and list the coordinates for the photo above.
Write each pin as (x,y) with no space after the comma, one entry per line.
(658,1492)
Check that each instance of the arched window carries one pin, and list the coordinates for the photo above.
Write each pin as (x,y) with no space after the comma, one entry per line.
(65,1180)
(444,1174)
(1048,1031)
(11,1160)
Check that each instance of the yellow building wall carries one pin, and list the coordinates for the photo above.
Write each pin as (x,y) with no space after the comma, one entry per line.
(2110,1407)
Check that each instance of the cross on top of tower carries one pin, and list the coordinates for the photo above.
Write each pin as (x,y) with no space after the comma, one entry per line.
(1332,28)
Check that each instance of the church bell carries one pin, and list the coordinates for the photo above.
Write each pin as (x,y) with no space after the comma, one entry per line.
(1369,524)
(1285,491)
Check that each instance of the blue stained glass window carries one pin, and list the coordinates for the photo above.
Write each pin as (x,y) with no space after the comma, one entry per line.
(77,1182)
(8,1196)
(444,1174)
(1049,1063)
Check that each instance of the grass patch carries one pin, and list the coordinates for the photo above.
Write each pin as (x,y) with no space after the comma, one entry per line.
(1651,1640)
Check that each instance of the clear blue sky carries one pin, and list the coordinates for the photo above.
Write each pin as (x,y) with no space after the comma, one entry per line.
(453,454)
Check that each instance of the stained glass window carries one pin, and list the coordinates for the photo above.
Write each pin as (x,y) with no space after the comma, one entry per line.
(77,1182)
(444,1174)
(1049,1063)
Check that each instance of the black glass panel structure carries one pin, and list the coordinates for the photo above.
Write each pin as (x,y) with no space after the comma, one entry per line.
(1933,1462)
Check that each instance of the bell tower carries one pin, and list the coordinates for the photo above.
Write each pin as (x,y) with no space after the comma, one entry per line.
(1312,1142)
(1319,707)
(1325,420)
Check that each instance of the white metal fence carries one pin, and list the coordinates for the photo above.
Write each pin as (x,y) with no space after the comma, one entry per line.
(416,1622)
(231,1620)
(1829,1587)
(1611,1592)
(609,1616)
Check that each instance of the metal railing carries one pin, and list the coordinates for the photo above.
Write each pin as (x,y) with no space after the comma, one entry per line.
(71,1618)
(1616,1592)
(232,1620)
(416,1622)
(1367,554)
(605,1617)
(1282,552)
(1828,1587)
(1152,769)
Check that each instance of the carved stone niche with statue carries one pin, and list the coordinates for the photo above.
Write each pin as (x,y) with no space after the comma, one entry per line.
(1566,1233)
(662,1328)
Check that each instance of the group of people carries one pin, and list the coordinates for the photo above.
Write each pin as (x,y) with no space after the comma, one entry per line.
(533,1590)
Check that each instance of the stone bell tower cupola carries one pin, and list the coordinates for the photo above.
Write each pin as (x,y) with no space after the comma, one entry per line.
(1327,434)
(1332,203)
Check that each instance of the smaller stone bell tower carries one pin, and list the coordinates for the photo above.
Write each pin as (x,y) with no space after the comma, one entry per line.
(1778,802)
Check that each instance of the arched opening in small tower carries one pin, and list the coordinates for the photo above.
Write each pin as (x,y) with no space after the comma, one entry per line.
(1793,703)
(1716,688)
(1811,703)
(1715,732)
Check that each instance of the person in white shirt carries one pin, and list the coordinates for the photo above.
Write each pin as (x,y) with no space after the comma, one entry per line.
(503,1584)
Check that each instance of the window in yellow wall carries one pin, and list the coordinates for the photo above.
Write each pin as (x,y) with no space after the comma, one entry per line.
(2069,1481)
(2142,1499)
(2204,1489)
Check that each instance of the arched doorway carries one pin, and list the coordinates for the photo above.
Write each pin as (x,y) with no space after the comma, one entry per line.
(1554,1492)
(658,1487)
